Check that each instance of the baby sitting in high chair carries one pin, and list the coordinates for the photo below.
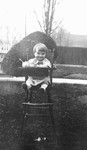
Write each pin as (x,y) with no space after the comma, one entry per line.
(40,60)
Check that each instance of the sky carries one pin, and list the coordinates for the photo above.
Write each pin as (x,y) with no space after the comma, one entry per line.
(75,19)
(13,14)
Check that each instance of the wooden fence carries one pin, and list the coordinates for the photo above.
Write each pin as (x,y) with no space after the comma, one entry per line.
(72,55)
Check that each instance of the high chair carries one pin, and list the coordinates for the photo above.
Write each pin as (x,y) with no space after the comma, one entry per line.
(28,104)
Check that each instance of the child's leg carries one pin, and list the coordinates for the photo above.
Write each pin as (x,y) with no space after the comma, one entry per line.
(29,85)
(44,85)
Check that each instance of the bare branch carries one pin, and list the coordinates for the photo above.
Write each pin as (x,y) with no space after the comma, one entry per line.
(52,14)
(58,25)
(49,8)
(58,2)
(38,20)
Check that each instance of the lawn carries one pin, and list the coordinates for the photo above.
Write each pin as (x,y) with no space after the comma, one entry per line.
(70,71)
(70,112)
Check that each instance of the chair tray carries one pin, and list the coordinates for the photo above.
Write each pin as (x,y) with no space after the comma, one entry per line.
(31,71)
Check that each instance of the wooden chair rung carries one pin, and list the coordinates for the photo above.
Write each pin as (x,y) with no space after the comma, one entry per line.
(37,114)
(38,104)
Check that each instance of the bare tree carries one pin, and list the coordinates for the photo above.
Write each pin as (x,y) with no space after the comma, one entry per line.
(49,24)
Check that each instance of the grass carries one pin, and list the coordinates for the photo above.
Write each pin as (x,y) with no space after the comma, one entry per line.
(70,71)
(70,112)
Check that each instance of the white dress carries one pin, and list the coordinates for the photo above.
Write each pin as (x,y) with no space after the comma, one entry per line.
(33,81)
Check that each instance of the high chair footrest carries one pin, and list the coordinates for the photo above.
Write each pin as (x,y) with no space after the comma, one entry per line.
(44,115)
(38,104)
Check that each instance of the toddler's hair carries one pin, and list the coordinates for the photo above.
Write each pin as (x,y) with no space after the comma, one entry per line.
(40,47)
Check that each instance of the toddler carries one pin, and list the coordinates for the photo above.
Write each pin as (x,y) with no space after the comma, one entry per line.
(40,60)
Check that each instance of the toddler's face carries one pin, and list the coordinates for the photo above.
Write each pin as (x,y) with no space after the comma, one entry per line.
(40,55)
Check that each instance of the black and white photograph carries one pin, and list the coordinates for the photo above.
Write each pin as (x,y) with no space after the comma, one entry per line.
(43,75)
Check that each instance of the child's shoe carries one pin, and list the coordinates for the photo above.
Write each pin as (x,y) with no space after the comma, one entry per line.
(41,90)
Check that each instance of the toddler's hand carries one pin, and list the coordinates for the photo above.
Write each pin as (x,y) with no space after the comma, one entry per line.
(25,64)
(35,65)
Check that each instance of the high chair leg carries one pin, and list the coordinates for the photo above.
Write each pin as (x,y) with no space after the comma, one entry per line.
(23,120)
(52,117)
(30,96)
(51,110)
(27,99)
(24,112)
